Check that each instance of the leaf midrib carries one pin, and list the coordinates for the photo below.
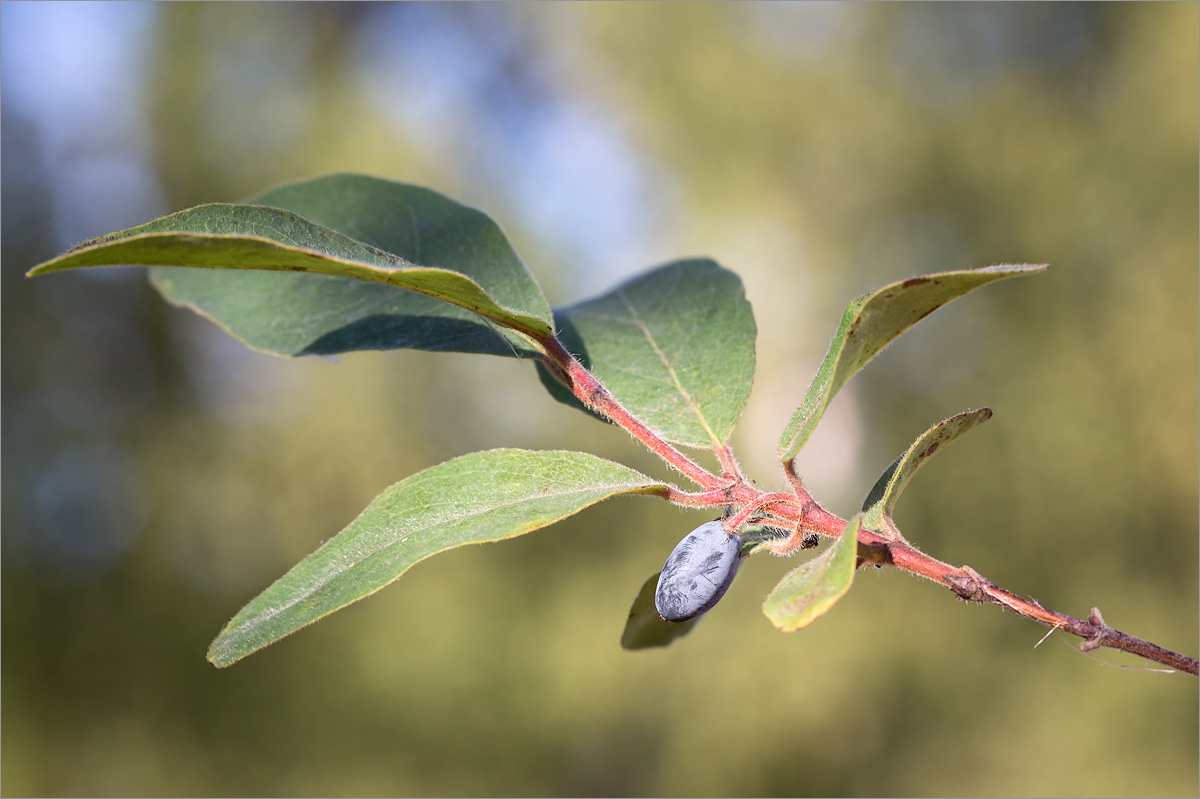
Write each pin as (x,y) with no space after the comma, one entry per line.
(712,436)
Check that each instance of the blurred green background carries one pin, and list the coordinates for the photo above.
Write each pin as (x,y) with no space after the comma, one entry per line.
(156,475)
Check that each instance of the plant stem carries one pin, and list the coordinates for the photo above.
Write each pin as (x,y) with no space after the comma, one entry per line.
(964,581)
(970,586)
(805,513)
(592,393)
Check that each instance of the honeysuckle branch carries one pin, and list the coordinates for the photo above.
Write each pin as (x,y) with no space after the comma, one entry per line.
(803,515)
(243,236)
(970,586)
(888,550)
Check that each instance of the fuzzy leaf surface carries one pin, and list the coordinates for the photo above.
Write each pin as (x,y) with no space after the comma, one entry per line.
(314,268)
(674,345)
(645,629)
(881,501)
(476,498)
(869,324)
(808,591)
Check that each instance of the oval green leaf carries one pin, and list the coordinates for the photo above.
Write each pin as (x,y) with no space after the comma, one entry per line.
(645,629)
(674,345)
(481,497)
(869,324)
(881,500)
(334,251)
(807,592)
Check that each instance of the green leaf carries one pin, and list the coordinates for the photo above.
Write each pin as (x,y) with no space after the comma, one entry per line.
(674,345)
(339,247)
(882,499)
(645,629)
(484,496)
(869,324)
(807,592)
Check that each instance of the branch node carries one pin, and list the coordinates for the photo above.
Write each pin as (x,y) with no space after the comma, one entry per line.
(965,587)
(1103,634)
(968,584)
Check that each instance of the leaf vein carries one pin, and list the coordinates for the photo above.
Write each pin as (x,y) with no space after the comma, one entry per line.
(669,367)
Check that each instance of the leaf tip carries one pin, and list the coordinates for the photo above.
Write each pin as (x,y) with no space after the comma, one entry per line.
(218,655)
(228,648)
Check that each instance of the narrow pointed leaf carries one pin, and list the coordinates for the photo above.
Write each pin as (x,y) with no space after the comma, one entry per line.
(882,499)
(869,324)
(645,629)
(674,345)
(807,592)
(484,496)
(314,268)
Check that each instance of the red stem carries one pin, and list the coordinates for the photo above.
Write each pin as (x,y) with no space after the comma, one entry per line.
(806,516)
(592,393)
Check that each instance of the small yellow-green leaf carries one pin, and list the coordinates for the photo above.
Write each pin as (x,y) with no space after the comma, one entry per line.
(869,324)
(807,592)
(882,499)
(476,498)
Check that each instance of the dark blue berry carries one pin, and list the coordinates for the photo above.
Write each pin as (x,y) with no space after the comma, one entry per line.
(698,572)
